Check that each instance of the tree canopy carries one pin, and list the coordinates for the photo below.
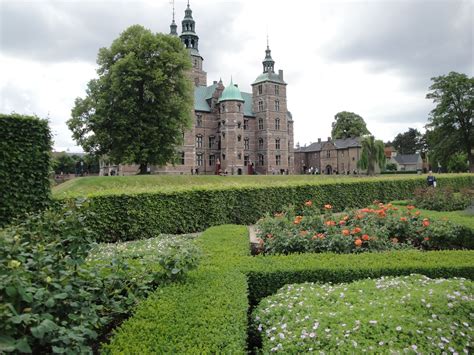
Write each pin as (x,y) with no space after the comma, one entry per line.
(139,106)
(450,127)
(348,124)
(372,153)
(408,142)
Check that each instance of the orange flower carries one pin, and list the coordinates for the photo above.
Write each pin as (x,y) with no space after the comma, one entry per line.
(346,232)
(330,223)
(389,205)
(410,207)
(403,219)
(381,213)
(365,237)
(426,222)
(356,230)
(298,219)
(346,218)
(394,240)
(417,213)
(303,233)
(366,210)
(426,239)
(358,243)
(360,216)
(308,203)
(341,223)
(328,206)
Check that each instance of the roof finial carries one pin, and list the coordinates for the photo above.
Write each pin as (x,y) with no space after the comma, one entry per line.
(188,3)
(173,26)
(173,9)
(268,46)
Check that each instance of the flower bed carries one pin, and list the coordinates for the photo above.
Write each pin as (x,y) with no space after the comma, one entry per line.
(377,228)
(412,314)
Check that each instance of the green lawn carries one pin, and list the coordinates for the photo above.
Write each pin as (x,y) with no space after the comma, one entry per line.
(88,186)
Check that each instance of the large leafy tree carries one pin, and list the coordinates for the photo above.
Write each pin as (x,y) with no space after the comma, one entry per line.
(348,124)
(408,142)
(141,102)
(372,153)
(450,127)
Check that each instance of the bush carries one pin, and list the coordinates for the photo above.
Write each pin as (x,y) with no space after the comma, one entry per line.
(381,227)
(391,314)
(442,199)
(25,145)
(54,299)
(124,217)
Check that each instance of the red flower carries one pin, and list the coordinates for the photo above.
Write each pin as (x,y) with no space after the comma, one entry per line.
(346,232)
(365,237)
(328,206)
(358,243)
(308,203)
(426,222)
(356,230)
(426,239)
(410,207)
(341,223)
(403,219)
(298,219)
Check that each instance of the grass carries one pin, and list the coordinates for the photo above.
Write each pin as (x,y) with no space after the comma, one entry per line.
(101,185)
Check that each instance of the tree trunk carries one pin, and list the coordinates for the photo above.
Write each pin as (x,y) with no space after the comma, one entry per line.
(143,169)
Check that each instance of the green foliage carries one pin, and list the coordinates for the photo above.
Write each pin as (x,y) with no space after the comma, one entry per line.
(386,315)
(347,125)
(71,163)
(55,297)
(408,142)
(137,109)
(391,167)
(120,217)
(379,228)
(207,313)
(450,129)
(458,163)
(25,145)
(372,153)
(442,199)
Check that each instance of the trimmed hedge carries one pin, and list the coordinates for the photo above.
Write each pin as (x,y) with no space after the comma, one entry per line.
(135,216)
(25,146)
(208,312)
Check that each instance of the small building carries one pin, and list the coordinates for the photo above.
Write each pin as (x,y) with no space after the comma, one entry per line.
(339,156)
(407,162)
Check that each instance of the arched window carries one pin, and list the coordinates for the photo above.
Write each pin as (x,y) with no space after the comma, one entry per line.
(260,143)
(260,123)
(239,138)
(277,124)
(199,141)
(277,105)
(277,143)
(246,144)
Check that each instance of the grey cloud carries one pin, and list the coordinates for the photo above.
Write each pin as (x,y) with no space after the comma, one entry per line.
(417,39)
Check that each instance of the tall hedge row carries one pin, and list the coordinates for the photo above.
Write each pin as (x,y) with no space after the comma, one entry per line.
(135,216)
(25,146)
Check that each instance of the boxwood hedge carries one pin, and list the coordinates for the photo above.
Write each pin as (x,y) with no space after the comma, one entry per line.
(133,216)
(25,146)
(208,312)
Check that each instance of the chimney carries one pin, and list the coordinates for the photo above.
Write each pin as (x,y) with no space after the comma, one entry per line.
(280,74)
(319,140)
(329,139)
(214,82)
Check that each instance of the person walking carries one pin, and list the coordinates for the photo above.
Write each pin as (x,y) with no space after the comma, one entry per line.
(431,179)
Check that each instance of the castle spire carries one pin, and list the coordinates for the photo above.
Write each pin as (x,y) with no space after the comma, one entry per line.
(188,35)
(268,62)
(173,26)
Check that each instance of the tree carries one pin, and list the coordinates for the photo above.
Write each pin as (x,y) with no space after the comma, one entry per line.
(372,153)
(138,108)
(450,127)
(408,142)
(457,163)
(348,124)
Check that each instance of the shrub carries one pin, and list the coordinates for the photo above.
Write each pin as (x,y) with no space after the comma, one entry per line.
(54,299)
(381,227)
(442,199)
(391,314)
(25,145)
(120,217)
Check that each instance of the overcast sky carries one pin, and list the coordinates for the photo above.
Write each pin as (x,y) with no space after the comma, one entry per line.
(374,58)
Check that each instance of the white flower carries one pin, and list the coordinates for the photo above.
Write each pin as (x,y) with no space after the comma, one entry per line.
(414,347)
(398,328)
(372,321)
(381,342)
(281,335)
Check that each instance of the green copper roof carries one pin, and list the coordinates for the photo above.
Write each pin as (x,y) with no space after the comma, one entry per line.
(268,76)
(203,93)
(231,92)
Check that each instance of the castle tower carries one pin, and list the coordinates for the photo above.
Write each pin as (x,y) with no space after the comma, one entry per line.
(231,107)
(173,26)
(191,41)
(273,135)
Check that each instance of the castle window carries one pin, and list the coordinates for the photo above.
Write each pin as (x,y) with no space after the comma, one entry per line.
(238,107)
(260,123)
(260,89)
(199,159)
(195,63)
(277,124)
(277,159)
(182,158)
(261,160)
(223,108)
(260,143)
(239,156)
(212,141)
(246,144)
(246,124)
(328,154)
(239,138)
(239,124)
(277,105)
(277,90)
(223,156)
(198,141)
(198,120)
(212,160)
(277,143)
(260,106)
(246,160)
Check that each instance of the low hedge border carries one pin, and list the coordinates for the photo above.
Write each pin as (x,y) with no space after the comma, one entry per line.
(208,312)
(136,216)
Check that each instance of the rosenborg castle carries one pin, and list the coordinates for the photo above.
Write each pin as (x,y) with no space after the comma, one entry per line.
(235,132)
